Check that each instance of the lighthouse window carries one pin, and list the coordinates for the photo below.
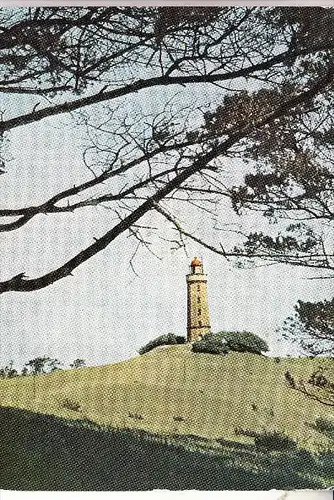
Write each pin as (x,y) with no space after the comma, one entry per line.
(200,323)
(198,300)
(199,312)
(198,288)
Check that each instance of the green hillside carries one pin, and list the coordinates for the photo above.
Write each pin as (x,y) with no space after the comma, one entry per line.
(172,392)
(212,394)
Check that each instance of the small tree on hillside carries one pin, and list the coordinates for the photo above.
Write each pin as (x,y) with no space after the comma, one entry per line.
(8,371)
(78,363)
(43,364)
(24,371)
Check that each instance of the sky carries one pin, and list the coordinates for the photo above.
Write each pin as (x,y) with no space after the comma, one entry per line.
(106,312)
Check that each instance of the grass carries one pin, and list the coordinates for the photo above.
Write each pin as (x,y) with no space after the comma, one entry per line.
(41,452)
(155,420)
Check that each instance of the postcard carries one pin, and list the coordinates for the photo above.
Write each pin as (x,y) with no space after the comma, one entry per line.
(167,264)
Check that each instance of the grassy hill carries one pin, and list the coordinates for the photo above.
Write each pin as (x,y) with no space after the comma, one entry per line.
(177,399)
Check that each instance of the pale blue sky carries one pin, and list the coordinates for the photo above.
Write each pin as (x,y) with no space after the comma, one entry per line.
(104,312)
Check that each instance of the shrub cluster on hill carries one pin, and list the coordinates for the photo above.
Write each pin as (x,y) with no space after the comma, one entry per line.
(169,339)
(210,344)
(37,366)
(269,440)
(223,342)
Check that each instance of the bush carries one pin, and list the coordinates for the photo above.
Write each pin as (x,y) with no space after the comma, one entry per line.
(223,342)
(210,345)
(177,418)
(244,342)
(268,440)
(70,405)
(169,339)
(324,426)
(274,441)
(135,416)
(290,380)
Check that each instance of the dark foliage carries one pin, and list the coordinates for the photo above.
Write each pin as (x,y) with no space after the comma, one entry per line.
(80,57)
(210,345)
(312,327)
(223,342)
(169,339)
(135,416)
(78,363)
(69,404)
(325,427)
(43,364)
(8,371)
(178,419)
(290,380)
(245,342)
(269,440)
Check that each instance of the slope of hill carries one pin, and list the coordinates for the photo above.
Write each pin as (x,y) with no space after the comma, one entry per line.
(164,420)
(174,391)
(43,452)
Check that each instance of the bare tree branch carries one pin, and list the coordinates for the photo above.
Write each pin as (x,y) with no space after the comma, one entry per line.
(66,107)
(18,283)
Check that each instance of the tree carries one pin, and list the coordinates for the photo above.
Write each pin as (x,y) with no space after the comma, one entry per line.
(82,57)
(42,364)
(78,363)
(8,371)
(312,327)
(24,371)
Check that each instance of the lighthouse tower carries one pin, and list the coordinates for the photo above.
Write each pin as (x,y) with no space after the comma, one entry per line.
(198,323)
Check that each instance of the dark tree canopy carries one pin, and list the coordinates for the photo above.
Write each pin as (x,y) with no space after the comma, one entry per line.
(78,363)
(224,342)
(312,327)
(42,364)
(8,371)
(168,339)
(270,73)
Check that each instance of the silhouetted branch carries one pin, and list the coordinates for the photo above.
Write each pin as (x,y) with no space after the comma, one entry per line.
(18,283)
(67,107)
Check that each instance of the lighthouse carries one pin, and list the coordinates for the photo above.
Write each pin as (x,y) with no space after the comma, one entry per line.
(198,319)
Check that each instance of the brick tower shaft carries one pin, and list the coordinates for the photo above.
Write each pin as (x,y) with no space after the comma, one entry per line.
(198,319)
